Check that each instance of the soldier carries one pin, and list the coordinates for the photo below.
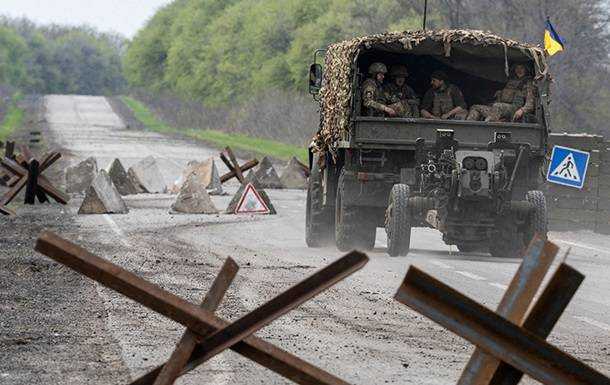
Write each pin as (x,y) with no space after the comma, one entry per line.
(443,100)
(512,102)
(373,101)
(399,95)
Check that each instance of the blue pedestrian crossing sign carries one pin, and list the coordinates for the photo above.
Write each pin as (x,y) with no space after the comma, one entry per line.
(568,167)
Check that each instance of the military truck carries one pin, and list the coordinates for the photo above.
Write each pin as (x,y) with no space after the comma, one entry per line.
(476,182)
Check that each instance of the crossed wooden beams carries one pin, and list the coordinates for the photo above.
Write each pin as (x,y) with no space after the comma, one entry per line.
(509,343)
(235,170)
(207,334)
(26,171)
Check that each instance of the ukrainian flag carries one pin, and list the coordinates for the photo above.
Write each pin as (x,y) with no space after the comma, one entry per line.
(553,43)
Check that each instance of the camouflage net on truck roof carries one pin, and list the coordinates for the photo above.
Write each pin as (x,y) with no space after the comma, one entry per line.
(337,84)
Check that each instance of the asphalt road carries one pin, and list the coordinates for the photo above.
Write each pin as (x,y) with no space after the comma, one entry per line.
(354,330)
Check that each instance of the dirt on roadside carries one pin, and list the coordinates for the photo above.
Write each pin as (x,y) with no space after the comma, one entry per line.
(52,320)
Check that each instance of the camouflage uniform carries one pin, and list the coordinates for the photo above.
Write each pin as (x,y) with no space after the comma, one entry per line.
(442,100)
(373,101)
(518,93)
(402,99)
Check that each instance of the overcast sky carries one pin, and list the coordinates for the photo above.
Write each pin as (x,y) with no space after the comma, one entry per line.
(123,16)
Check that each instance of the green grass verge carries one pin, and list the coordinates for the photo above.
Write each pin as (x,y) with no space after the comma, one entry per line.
(12,120)
(217,138)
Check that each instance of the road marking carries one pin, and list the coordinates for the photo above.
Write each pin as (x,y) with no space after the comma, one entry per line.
(583,246)
(498,285)
(593,322)
(441,264)
(471,276)
(117,230)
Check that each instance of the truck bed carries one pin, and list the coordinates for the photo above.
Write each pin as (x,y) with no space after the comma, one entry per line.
(399,133)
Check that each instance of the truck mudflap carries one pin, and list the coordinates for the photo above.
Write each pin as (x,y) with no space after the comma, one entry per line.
(368,189)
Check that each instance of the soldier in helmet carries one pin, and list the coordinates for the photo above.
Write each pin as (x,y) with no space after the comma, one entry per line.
(444,100)
(516,99)
(373,101)
(399,95)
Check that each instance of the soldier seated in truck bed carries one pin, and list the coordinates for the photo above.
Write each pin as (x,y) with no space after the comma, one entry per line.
(513,102)
(373,98)
(444,100)
(399,94)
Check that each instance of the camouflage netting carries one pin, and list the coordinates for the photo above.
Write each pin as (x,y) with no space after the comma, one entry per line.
(337,83)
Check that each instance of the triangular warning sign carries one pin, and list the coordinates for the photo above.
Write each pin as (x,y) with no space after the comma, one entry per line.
(567,169)
(251,202)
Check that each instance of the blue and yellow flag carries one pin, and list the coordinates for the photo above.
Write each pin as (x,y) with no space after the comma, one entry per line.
(553,42)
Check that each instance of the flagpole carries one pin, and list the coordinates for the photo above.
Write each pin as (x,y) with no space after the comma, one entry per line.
(425,13)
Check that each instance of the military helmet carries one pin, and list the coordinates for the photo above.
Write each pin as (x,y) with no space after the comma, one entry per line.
(399,71)
(377,68)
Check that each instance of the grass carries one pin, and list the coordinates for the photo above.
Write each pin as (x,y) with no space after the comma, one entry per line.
(12,120)
(217,138)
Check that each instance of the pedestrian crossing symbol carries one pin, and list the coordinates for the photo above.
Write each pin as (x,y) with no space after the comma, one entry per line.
(568,167)
(251,202)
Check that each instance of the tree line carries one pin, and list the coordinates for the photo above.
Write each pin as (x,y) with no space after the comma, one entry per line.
(59,59)
(226,52)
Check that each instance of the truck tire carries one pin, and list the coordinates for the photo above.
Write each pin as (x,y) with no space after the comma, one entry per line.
(319,220)
(398,221)
(353,230)
(539,219)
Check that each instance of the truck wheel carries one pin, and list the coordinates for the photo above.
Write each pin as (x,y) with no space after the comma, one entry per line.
(352,229)
(398,221)
(319,230)
(539,220)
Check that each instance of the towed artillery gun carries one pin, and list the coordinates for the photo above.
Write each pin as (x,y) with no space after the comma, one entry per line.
(476,182)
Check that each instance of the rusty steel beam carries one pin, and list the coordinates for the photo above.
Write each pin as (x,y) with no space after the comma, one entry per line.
(58,195)
(193,317)
(513,306)
(226,161)
(13,192)
(26,152)
(265,314)
(31,186)
(497,336)
(170,371)
(43,182)
(9,150)
(544,315)
(13,181)
(49,159)
(245,167)
(6,211)
(236,166)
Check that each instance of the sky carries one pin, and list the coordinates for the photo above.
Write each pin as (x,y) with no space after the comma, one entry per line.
(123,16)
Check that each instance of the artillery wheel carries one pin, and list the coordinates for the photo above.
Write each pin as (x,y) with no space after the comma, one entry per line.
(539,219)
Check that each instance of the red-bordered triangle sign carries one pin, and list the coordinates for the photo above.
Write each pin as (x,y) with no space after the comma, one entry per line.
(251,202)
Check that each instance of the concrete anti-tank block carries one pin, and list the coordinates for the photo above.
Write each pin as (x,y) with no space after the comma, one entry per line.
(102,197)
